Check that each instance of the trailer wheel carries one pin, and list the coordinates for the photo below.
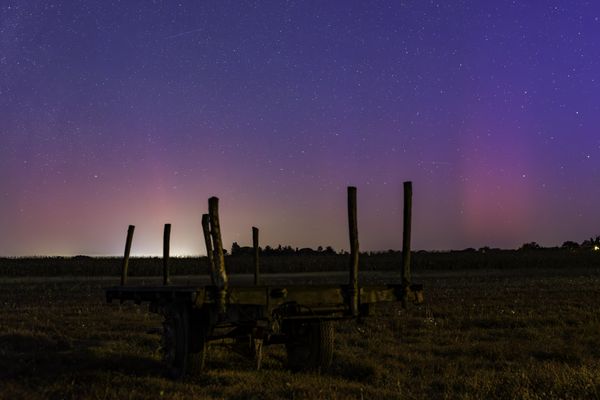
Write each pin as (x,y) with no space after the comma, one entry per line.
(196,361)
(198,345)
(310,345)
(175,340)
(250,347)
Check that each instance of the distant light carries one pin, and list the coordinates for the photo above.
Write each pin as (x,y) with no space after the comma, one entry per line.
(596,247)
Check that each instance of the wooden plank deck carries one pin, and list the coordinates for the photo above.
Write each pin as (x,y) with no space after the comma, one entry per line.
(308,295)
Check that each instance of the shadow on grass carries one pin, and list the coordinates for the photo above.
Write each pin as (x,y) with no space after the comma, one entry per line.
(556,356)
(354,370)
(41,356)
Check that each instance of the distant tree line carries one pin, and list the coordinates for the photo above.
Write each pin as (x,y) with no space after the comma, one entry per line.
(592,244)
(587,245)
(237,250)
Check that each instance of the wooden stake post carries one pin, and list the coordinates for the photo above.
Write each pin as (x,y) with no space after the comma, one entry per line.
(406,241)
(353,266)
(219,258)
(256,251)
(166,251)
(126,255)
(209,248)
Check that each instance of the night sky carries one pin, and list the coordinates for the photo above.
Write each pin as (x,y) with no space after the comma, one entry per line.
(135,112)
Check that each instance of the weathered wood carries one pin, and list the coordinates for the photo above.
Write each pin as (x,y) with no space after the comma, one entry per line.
(256,255)
(406,230)
(166,251)
(126,255)
(215,232)
(209,248)
(353,266)
(221,280)
(312,296)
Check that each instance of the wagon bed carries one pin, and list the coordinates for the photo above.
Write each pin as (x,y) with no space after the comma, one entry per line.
(315,295)
(247,317)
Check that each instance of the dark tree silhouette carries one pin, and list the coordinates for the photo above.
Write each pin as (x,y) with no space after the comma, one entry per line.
(591,244)
(530,246)
(570,245)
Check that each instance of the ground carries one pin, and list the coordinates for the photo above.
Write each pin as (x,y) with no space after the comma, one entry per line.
(524,333)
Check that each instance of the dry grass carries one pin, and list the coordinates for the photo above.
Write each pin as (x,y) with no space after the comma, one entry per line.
(534,336)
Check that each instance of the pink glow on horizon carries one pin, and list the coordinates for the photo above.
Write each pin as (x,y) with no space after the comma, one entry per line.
(497,198)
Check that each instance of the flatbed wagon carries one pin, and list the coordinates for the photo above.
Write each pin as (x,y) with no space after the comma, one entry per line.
(301,317)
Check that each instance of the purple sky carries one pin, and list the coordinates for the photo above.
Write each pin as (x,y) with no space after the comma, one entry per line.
(135,112)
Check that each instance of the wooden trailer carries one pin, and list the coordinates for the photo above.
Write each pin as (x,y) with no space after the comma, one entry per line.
(250,317)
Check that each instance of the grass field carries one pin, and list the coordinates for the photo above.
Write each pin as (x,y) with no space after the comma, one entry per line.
(526,333)
(83,266)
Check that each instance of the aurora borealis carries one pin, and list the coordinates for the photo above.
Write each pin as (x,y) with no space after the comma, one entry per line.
(135,112)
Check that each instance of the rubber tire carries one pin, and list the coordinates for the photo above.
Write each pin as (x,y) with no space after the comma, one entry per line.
(196,362)
(310,345)
(176,341)
(250,347)
(198,345)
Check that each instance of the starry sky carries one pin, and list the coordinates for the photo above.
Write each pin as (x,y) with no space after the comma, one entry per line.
(135,112)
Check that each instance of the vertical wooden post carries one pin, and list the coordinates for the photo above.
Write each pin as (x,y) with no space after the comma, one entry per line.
(219,258)
(353,266)
(166,251)
(406,241)
(126,255)
(209,248)
(256,260)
